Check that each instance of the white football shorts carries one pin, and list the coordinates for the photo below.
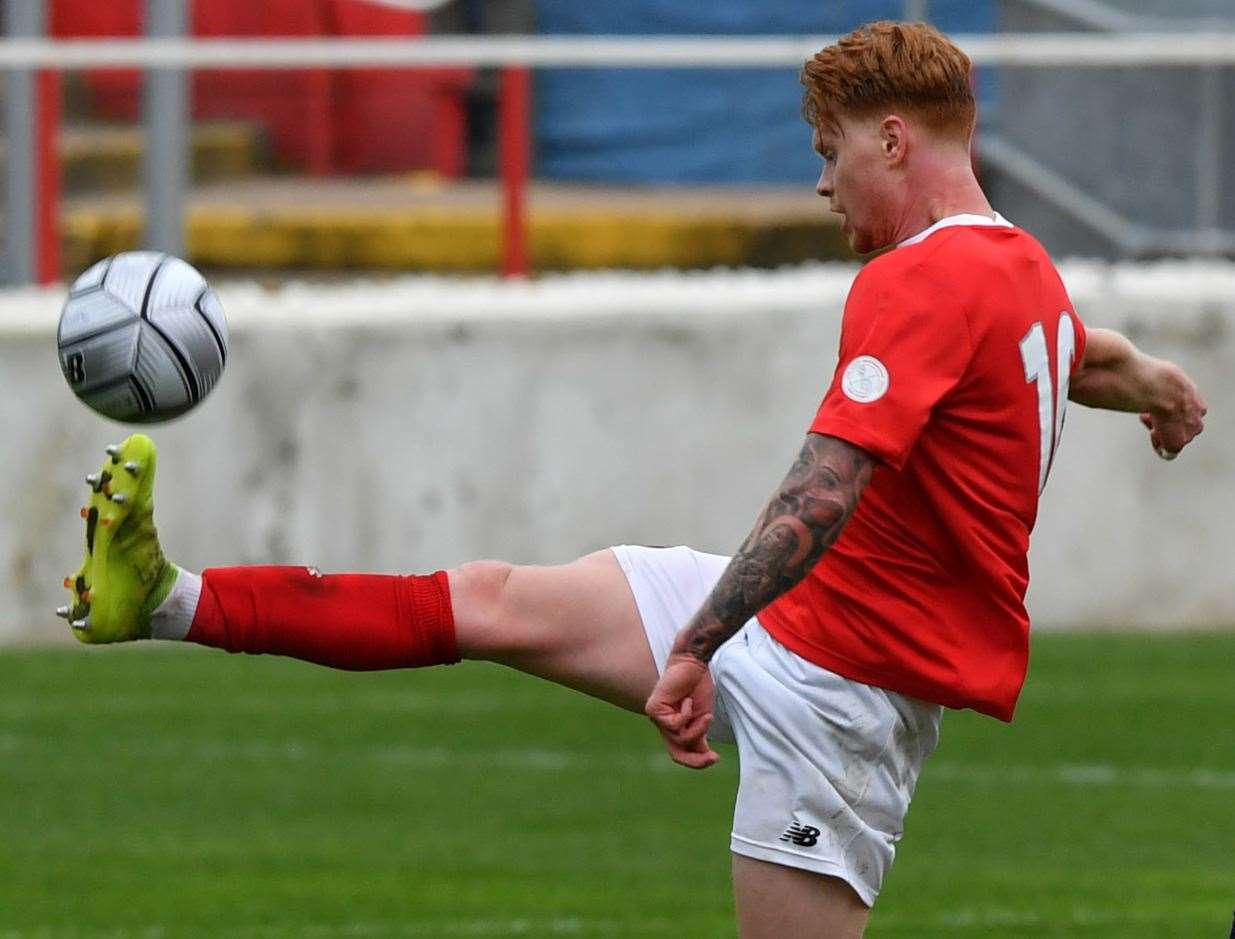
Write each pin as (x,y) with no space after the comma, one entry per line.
(827,765)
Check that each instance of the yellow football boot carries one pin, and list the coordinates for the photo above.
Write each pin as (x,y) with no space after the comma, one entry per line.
(124,576)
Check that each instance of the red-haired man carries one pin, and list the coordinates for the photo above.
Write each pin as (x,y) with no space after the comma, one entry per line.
(882,582)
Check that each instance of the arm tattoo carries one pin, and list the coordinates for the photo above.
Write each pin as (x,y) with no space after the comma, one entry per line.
(800,522)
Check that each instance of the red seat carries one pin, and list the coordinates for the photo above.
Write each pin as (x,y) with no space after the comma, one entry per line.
(370,120)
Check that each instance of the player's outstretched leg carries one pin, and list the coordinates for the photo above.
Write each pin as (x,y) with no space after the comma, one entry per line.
(124,575)
(576,624)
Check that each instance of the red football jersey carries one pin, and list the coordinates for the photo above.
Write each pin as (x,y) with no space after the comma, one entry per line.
(955,354)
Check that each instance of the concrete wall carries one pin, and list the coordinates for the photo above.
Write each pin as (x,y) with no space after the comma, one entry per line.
(424,422)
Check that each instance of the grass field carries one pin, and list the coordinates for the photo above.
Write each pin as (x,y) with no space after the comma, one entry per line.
(162,792)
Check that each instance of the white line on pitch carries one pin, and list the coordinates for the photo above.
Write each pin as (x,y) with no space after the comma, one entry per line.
(1084,774)
(541,759)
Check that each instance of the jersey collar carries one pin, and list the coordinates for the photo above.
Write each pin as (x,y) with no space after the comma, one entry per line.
(979,220)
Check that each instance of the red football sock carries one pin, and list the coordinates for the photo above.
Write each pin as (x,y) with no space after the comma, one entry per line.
(352,621)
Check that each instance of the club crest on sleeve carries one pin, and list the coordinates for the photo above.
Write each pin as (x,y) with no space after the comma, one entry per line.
(865,379)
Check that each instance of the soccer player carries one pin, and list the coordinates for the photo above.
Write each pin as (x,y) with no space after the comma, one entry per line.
(882,582)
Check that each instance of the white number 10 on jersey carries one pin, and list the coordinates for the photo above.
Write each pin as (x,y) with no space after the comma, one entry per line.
(1051,407)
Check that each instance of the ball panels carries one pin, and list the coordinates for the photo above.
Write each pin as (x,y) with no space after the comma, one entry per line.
(142,337)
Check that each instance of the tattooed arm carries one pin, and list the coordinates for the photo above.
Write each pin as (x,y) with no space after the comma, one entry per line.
(802,519)
(799,523)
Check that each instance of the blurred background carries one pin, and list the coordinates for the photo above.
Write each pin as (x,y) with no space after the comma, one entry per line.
(482,309)
(661,167)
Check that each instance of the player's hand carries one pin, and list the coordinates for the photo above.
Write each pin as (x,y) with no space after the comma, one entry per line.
(1173,427)
(681,707)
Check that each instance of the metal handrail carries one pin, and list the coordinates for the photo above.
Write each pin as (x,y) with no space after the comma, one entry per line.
(1144,50)
(1132,238)
(1096,15)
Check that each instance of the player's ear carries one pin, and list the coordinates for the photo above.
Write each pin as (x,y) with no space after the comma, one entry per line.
(893,139)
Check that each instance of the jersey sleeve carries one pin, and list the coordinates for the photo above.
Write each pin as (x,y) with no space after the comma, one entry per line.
(904,345)
(1081,336)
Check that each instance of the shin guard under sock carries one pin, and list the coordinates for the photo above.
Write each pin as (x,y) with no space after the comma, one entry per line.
(358,622)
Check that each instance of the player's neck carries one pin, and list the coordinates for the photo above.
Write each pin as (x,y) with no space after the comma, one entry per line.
(947,191)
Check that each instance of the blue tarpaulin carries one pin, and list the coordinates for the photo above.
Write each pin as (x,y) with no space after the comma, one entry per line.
(695,126)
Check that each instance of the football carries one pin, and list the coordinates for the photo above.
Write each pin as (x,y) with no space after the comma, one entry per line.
(142,337)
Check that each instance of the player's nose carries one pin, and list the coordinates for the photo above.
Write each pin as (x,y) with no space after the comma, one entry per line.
(824,186)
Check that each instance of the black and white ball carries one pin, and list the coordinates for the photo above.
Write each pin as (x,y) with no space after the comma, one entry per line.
(142,337)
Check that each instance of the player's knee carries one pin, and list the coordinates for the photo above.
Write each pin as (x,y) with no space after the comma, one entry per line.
(480,583)
(481,609)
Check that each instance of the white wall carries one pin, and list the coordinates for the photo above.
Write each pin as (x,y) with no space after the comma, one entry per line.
(418,423)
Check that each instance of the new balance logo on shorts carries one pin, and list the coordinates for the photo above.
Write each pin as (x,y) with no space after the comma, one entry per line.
(804,836)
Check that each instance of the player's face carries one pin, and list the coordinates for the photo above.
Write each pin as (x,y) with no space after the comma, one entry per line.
(856,182)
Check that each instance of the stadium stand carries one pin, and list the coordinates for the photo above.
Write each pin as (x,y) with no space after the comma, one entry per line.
(309,169)
(375,120)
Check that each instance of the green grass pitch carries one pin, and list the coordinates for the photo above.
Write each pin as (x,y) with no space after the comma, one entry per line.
(158,791)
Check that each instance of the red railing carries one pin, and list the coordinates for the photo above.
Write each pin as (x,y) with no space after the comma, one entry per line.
(514,159)
(47,179)
(339,121)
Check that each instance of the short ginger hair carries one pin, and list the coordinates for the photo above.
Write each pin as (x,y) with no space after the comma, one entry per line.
(887,66)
